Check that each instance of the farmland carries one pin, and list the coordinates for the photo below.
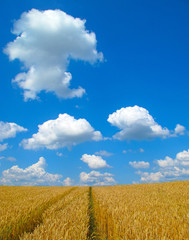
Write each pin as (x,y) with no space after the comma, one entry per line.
(142,211)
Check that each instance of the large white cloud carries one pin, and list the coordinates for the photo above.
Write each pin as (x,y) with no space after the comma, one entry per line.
(9,130)
(139,164)
(94,162)
(97,179)
(45,43)
(65,131)
(169,169)
(33,175)
(136,123)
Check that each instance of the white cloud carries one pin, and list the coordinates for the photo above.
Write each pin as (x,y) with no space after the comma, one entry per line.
(140,164)
(65,131)
(33,175)
(136,123)
(9,130)
(3,147)
(182,159)
(183,156)
(179,129)
(151,177)
(169,169)
(11,159)
(68,181)
(59,154)
(94,162)
(104,153)
(167,162)
(141,150)
(46,41)
(97,179)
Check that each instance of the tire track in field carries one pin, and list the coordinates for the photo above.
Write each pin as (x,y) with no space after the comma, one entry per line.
(43,231)
(92,232)
(101,224)
(28,223)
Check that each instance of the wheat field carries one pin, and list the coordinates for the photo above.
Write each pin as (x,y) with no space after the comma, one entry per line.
(141,211)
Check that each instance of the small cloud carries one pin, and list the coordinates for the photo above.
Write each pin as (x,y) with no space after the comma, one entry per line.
(132,151)
(104,153)
(180,130)
(9,130)
(96,178)
(151,177)
(127,151)
(11,159)
(68,181)
(140,164)
(3,147)
(141,150)
(94,162)
(59,154)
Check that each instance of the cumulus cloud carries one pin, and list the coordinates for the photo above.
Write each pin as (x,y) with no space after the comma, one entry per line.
(45,43)
(169,169)
(33,175)
(140,164)
(104,153)
(94,162)
(182,159)
(166,162)
(9,130)
(136,123)
(68,181)
(3,147)
(65,131)
(151,177)
(96,178)
(180,130)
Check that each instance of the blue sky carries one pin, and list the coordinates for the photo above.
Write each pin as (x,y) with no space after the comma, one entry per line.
(126,121)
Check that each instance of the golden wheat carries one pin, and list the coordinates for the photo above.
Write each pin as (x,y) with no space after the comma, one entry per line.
(21,207)
(146,211)
(143,211)
(67,219)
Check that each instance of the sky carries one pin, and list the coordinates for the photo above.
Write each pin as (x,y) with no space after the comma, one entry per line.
(94,92)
